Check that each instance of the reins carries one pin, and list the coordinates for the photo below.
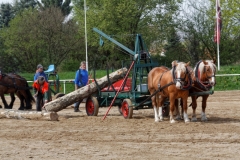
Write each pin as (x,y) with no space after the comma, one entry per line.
(159,90)
(169,84)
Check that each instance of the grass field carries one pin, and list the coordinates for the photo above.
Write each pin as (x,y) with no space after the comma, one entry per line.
(223,82)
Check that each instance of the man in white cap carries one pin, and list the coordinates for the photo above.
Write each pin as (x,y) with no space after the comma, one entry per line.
(40,72)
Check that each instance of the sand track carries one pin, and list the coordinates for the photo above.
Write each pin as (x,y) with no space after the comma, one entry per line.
(77,136)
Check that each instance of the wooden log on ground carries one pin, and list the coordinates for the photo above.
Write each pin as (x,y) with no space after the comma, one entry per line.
(84,92)
(16,114)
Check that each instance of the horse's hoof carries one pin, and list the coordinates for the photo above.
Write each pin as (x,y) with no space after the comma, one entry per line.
(161,118)
(194,119)
(21,108)
(204,119)
(8,108)
(187,120)
(178,118)
(157,120)
(172,121)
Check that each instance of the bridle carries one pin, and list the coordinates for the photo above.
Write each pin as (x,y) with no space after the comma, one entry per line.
(185,85)
(208,77)
(203,84)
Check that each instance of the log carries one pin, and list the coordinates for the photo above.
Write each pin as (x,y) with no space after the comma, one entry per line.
(16,114)
(84,92)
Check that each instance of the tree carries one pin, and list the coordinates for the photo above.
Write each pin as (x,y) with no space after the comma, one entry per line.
(6,14)
(174,49)
(41,37)
(123,20)
(64,6)
(197,28)
(20,5)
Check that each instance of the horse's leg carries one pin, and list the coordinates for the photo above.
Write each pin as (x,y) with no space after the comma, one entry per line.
(29,98)
(177,113)
(21,98)
(204,105)
(12,100)
(160,104)
(172,99)
(155,107)
(26,99)
(181,105)
(185,107)
(4,102)
(194,106)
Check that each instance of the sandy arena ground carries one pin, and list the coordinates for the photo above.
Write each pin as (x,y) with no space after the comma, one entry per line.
(77,136)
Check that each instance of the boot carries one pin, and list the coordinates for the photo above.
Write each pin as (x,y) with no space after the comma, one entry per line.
(76,109)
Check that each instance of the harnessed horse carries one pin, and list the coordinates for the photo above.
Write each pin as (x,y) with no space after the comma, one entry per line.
(172,84)
(203,76)
(15,84)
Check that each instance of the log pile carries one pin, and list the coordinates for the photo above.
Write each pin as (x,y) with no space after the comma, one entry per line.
(51,108)
(84,92)
(15,114)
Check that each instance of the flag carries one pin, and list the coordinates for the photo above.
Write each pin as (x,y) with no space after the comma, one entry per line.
(218,25)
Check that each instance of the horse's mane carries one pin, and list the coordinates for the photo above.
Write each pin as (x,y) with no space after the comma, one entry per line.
(181,66)
(201,66)
(212,65)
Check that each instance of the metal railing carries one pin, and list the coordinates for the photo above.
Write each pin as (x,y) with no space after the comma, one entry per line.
(223,75)
(66,81)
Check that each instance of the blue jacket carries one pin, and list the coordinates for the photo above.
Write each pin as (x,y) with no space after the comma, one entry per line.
(82,78)
(40,74)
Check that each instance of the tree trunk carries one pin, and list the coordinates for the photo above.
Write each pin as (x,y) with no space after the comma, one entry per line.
(53,116)
(84,92)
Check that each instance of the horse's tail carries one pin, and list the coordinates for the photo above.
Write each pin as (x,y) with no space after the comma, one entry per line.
(29,94)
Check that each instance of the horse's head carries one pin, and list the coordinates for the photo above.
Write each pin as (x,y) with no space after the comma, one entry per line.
(180,74)
(206,72)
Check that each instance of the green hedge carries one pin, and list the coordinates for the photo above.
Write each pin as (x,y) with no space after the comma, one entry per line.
(228,82)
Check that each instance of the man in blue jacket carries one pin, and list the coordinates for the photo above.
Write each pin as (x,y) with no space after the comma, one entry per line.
(81,80)
(40,72)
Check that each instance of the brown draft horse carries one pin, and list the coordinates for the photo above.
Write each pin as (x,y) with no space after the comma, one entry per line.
(203,76)
(172,84)
(15,84)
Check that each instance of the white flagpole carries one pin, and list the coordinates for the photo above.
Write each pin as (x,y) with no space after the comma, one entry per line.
(85,15)
(218,3)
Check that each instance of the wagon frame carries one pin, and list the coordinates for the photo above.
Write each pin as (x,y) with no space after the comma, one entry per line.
(115,94)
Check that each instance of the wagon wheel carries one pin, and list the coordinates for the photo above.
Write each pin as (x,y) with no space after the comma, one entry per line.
(92,106)
(57,96)
(127,109)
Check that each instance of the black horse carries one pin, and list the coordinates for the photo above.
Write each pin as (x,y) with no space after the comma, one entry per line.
(15,84)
